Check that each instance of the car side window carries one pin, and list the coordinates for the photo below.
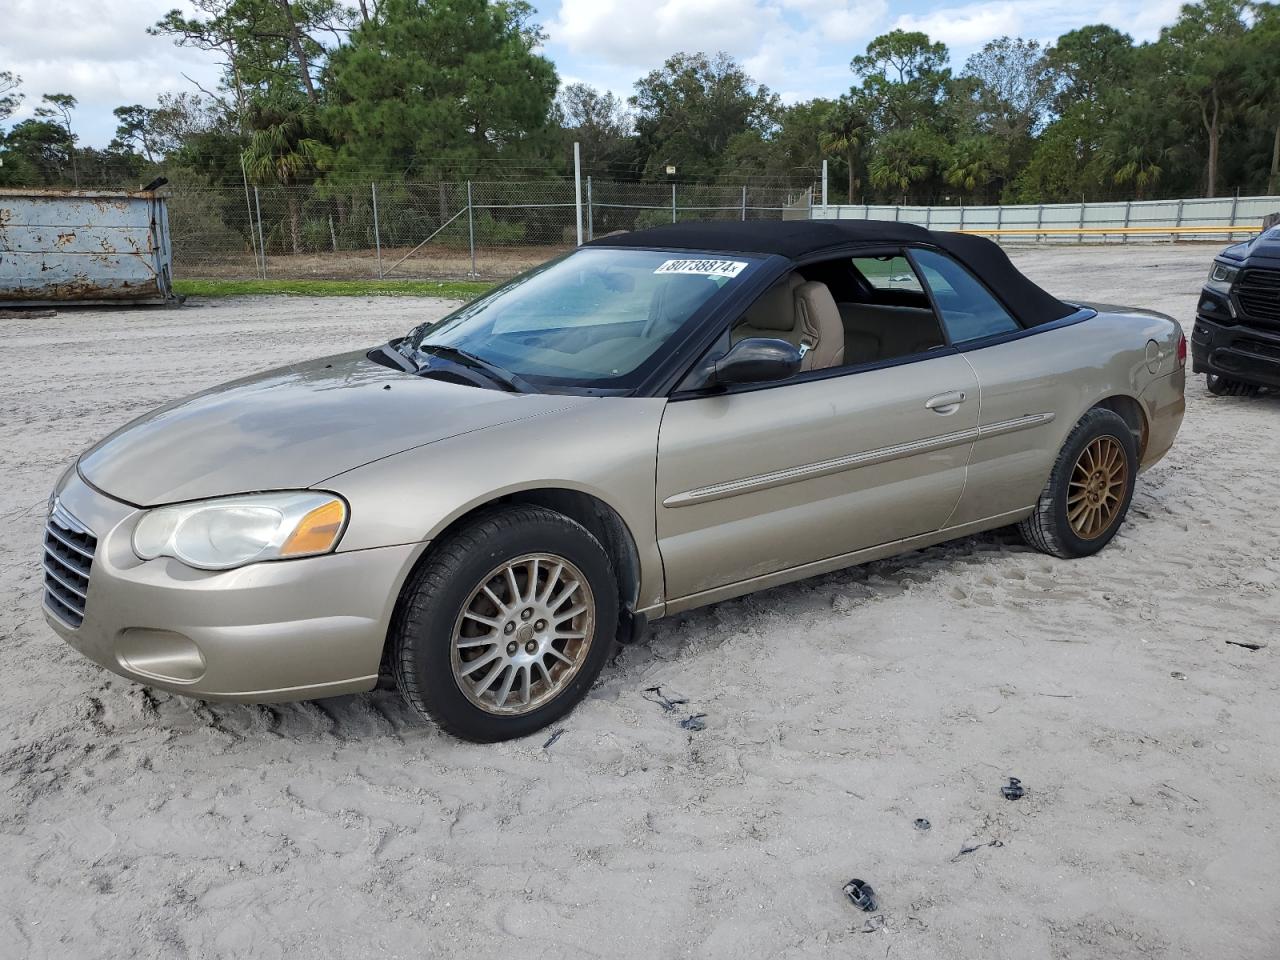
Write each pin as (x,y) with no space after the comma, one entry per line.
(968,310)
(899,323)
(888,273)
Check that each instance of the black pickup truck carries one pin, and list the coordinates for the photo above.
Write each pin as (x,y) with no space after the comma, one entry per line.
(1236,341)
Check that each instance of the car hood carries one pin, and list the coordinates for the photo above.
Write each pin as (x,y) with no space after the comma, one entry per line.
(293,427)
(1265,246)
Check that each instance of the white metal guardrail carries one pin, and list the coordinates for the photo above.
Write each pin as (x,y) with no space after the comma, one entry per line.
(1223,218)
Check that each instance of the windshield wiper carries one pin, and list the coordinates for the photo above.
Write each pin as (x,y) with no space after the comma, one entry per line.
(389,356)
(511,381)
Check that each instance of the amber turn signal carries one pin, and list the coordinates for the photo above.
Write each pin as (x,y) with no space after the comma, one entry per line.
(318,531)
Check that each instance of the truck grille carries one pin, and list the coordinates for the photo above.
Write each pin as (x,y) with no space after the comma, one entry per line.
(1259,294)
(68,561)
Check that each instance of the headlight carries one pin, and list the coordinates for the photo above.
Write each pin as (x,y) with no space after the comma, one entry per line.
(234,531)
(1221,276)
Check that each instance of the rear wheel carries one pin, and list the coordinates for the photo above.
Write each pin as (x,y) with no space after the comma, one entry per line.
(506,625)
(1088,493)
(1221,386)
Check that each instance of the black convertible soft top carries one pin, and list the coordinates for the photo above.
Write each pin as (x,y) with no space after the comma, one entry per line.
(796,239)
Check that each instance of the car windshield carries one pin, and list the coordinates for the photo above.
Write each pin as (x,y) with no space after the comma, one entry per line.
(597,319)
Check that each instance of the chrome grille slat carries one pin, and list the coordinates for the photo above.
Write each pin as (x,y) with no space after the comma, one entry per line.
(71,611)
(51,531)
(67,563)
(63,583)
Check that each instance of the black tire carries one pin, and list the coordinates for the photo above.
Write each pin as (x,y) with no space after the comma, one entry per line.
(422,632)
(1048,528)
(1221,386)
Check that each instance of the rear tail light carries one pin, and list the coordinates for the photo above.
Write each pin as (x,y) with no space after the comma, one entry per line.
(1182,349)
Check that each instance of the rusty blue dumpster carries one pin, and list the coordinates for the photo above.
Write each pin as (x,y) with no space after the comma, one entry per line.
(83,246)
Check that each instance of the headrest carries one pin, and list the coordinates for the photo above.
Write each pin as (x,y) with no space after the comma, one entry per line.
(776,309)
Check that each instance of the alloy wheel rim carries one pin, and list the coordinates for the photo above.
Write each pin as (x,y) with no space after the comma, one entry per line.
(523,634)
(1097,488)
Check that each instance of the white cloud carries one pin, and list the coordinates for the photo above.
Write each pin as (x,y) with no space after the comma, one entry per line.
(800,48)
(616,32)
(965,28)
(100,53)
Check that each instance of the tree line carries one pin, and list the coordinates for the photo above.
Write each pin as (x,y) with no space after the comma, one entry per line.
(322,94)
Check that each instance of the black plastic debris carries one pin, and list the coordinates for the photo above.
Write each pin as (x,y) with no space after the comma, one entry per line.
(1247,644)
(661,700)
(1178,675)
(966,849)
(695,722)
(861,895)
(922,824)
(1013,789)
(553,738)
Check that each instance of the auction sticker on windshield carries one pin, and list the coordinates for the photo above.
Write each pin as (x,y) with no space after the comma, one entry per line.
(704,268)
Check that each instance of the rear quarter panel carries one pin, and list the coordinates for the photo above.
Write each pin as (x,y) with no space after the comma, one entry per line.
(1065,370)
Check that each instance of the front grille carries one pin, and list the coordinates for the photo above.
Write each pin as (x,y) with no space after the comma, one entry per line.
(68,561)
(1259,294)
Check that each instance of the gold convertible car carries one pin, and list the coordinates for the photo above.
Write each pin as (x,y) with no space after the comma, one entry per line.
(656,421)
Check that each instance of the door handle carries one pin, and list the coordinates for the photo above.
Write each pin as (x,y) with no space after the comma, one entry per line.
(946,403)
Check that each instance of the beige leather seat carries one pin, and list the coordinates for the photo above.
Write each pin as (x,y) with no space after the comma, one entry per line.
(818,317)
(876,332)
(803,314)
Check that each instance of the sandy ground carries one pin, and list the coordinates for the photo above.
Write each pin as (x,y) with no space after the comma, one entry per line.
(838,710)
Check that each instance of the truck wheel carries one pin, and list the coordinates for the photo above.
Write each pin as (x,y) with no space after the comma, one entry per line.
(1221,386)
(506,624)
(1089,490)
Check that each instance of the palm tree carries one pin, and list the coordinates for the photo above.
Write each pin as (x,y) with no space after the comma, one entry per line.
(1133,151)
(283,149)
(902,158)
(973,164)
(846,130)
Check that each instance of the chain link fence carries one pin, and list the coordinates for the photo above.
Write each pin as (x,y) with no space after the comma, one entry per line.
(438,231)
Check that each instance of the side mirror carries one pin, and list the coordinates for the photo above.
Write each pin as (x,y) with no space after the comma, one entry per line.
(755,360)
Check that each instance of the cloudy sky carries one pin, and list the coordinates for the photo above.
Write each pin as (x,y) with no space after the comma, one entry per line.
(99,50)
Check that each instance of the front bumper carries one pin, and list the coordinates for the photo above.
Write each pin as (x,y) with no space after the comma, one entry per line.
(1239,352)
(288,630)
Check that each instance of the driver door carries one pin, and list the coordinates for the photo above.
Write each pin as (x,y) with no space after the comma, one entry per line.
(756,481)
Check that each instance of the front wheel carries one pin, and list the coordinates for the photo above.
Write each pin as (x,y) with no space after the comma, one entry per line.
(1088,493)
(506,624)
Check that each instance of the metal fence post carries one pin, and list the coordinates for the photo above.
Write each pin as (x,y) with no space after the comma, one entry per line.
(1080,235)
(1235,205)
(257,202)
(471,229)
(744,203)
(962,214)
(1128,211)
(673,203)
(377,234)
(1039,222)
(591,215)
(999,221)
(577,186)
(1178,222)
(824,188)
(253,236)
